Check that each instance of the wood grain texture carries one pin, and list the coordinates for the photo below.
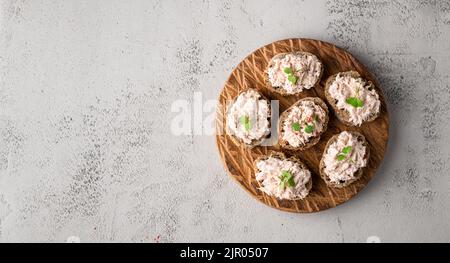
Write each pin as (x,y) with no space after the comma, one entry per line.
(238,159)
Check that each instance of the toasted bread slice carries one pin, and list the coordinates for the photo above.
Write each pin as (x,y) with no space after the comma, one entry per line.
(357,174)
(341,114)
(314,140)
(281,156)
(239,141)
(281,90)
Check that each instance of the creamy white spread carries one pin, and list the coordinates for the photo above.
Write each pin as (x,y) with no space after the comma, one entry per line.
(343,168)
(270,177)
(247,117)
(305,67)
(345,87)
(297,129)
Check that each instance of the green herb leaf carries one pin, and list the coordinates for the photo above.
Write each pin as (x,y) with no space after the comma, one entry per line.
(309,128)
(288,71)
(291,181)
(286,178)
(347,149)
(316,118)
(245,120)
(285,174)
(247,126)
(296,126)
(292,79)
(341,157)
(355,102)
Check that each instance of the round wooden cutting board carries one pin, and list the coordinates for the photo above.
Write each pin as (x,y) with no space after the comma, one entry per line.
(238,159)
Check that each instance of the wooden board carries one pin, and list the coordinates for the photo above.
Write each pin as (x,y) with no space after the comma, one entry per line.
(238,159)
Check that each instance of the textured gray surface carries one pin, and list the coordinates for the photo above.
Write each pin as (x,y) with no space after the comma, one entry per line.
(85,95)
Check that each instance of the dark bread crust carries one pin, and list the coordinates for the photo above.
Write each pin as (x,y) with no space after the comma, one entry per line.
(343,115)
(358,173)
(281,156)
(239,141)
(281,90)
(314,140)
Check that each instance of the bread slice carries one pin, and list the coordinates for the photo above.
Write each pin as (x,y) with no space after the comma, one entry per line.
(281,156)
(343,115)
(314,140)
(281,90)
(358,173)
(239,141)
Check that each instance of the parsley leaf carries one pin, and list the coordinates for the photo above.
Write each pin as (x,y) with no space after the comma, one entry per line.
(309,128)
(355,102)
(288,71)
(347,149)
(290,75)
(285,174)
(291,181)
(296,126)
(286,179)
(292,79)
(245,120)
(341,157)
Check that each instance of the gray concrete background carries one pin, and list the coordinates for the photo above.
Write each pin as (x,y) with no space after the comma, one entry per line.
(85,143)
